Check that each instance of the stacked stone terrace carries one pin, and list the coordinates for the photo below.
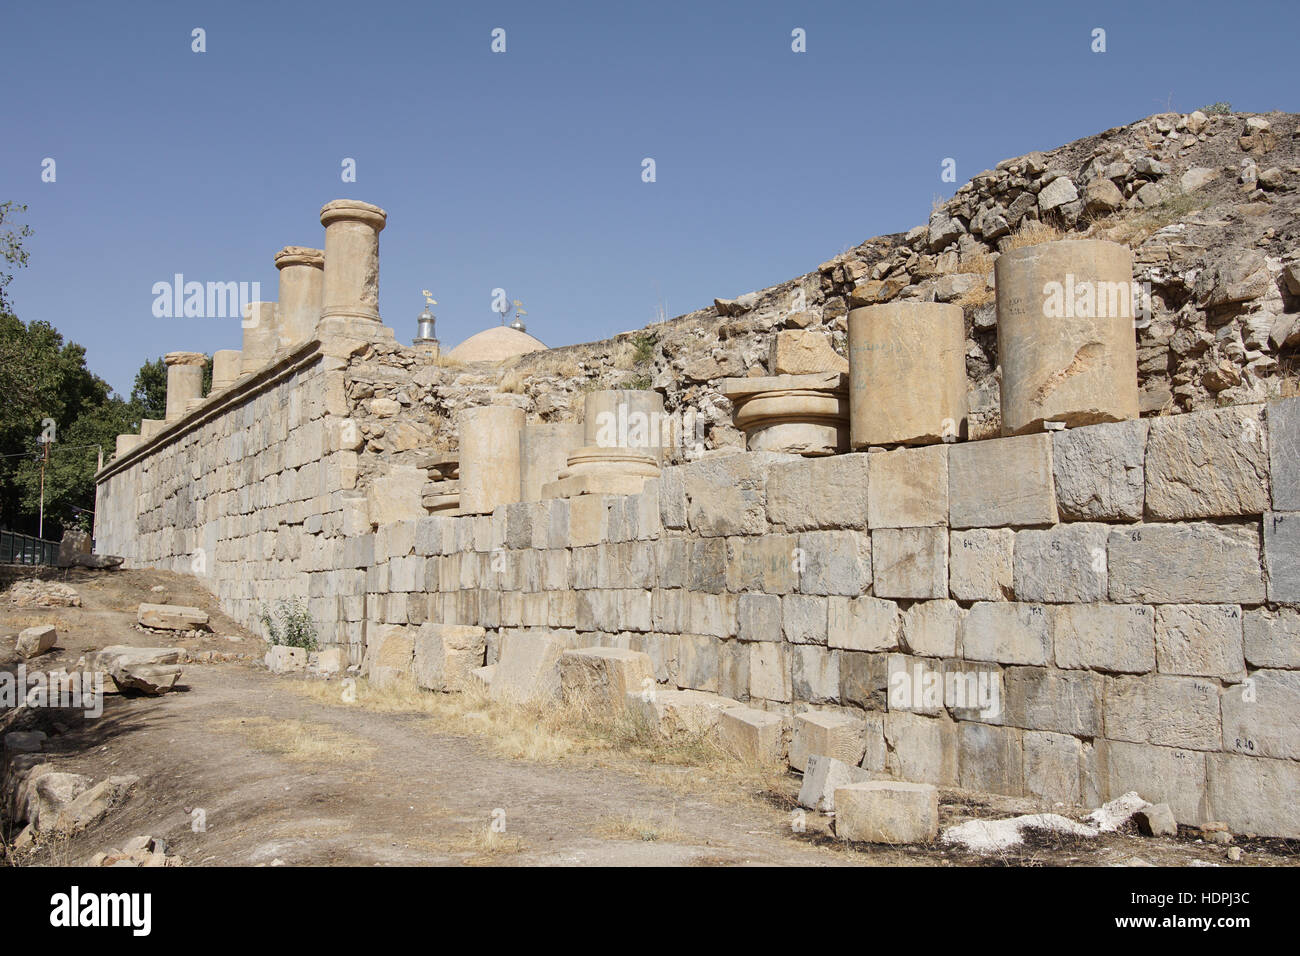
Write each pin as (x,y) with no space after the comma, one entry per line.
(1126,590)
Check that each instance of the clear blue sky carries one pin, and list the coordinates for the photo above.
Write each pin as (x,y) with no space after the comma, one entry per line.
(522,170)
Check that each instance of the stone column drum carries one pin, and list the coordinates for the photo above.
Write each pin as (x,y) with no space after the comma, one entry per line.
(798,414)
(624,418)
(351,287)
(1065,334)
(184,381)
(125,444)
(489,457)
(226,366)
(544,451)
(261,336)
(302,278)
(907,374)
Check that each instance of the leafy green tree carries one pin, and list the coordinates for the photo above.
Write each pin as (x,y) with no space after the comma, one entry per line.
(149,392)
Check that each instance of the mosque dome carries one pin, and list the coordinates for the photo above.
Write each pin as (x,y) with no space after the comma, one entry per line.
(495,344)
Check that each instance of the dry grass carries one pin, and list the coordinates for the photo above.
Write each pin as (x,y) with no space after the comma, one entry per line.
(555,731)
(512,381)
(979,263)
(1031,233)
(443,361)
(1134,229)
(485,843)
(643,829)
(1289,377)
(297,740)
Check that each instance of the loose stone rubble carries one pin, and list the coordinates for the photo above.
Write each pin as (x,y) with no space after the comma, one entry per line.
(1068,613)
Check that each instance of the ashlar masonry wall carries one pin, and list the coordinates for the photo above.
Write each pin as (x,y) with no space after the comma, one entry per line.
(1130,591)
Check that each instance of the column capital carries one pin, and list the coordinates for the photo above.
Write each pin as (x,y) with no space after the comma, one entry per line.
(185,358)
(343,210)
(300,256)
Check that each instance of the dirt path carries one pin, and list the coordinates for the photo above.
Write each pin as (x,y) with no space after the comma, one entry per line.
(283,771)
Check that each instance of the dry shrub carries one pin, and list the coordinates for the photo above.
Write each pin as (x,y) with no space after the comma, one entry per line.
(1031,233)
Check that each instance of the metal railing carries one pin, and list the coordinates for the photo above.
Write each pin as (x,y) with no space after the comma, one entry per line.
(18,548)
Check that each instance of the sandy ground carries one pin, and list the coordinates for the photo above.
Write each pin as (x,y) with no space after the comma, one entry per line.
(283,771)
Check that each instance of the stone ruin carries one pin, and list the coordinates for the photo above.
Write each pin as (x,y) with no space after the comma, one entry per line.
(1088,604)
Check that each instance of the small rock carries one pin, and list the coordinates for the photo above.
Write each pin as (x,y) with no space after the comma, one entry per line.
(1234,854)
(1156,820)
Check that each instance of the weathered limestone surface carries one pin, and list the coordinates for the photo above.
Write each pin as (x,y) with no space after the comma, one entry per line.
(1284,453)
(184,381)
(797,414)
(226,368)
(1065,334)
(302,278)
(261,326)
(489,457)
(1211,464)
(1185,563)
(908,488)
(1001,482)
(907,374)
(544,451)
(887,811)
(1098,471)
(350,286)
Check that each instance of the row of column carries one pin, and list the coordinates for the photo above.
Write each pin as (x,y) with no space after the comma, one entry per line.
(1066,343)
(319,290)
(618,445)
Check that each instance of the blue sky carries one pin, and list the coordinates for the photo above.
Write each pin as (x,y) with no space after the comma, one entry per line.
(522,170)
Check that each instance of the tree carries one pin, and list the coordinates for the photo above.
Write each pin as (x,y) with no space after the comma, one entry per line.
(149,391)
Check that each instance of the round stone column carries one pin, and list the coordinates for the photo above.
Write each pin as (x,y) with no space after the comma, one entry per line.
(351,287)
(907,374)
(302,278)
(489,457)
(226,366)
(544,451)
(184,381)
(1065,334)
(624,418)
(261,336)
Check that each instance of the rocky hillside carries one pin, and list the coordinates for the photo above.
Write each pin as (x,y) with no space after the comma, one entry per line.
(1208,204)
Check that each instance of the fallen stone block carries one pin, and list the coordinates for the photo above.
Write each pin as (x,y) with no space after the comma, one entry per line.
(823,776)
(887,811)
(1156,820)
(151,679)
(828,733)
(115,654)
(673,712)
(282,659)
(757,736)
(987,836)
(598,679)
(390,656)
(98,562)
(44,795)
(328,661)
(480,678)
(171,617)
(94,804)
(447,654)
(35,641)
(528,669)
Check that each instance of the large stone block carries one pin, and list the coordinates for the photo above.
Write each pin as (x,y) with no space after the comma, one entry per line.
(1284,453)
(36,640)
(862,623)
(758,617)
(1209,464)
(1065,564)
(1098,471)
(834,562)
(697,662)
(1053,764)
(727,494)
(908,488)
(931,628)
(804,351)
(829,734)
(910,562)
(821,779)
(1282,556)
(171,617)
(815,673)
(588,520)
(1159,775)
(1007,633)
(815,493)
(980,564)
(1272,638)
(390,655)
(1044,698)
(673,712)
(1259,716)
(1118,638)
(768,563)
(600,678)
(528,668)
(1200,640)
(769,672)
(1163,710)
(887,811)
(1255,794)
(447,654)
(755,736)
(1001,482)
(1198,563)
(921,749)
(804,618)
(990,758)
